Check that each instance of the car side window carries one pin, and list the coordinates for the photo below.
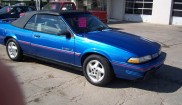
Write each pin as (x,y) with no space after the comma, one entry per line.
(49,24)
(46,23)
(31,23)
(47,7)
(5,9)
(52,6)
(68,7)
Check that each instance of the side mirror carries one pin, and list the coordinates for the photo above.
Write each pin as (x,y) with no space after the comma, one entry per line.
(65,33)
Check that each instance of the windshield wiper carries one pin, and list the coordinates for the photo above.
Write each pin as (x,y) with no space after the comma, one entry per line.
(99,28)
(107,29)
(102,28)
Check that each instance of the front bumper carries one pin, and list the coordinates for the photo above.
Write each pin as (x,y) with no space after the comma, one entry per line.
(137,71)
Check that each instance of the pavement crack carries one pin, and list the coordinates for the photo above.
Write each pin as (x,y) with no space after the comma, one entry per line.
(30,80)
(169,45)
(40,93)
(174,44)
(49,89)
(164,45)
(76,98)
(34,100)
(84,86)
(118,102)
(162,100)
(68,82)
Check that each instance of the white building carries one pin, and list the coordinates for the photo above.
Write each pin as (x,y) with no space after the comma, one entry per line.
(151,11)
(168,12)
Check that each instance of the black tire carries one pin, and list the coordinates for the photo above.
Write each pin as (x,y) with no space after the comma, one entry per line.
(108,71)
(19,55)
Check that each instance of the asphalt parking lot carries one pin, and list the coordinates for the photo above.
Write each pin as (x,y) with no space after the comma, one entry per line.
(49,84)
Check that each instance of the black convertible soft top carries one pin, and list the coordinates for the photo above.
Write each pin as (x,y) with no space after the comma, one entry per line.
(23,20)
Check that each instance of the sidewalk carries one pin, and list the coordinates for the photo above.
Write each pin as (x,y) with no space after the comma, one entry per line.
(162,33)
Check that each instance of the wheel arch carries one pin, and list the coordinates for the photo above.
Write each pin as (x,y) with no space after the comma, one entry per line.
(85,55)
(9,37)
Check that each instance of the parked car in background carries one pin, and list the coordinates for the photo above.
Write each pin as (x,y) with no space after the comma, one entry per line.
(1,5)
(80,40)
(10,13)
(102,15)
(59,6)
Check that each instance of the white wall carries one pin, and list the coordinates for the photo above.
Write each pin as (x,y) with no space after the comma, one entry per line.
(117,9)
(137,18)
(161,13)
(176,21)
(108,8)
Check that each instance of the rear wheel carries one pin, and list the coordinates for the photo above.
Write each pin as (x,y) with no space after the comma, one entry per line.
(13,50)
(97,70)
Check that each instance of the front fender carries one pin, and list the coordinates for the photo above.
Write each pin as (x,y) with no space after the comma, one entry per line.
(96,51)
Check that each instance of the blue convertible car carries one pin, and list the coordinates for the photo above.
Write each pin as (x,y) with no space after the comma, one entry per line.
(79,39)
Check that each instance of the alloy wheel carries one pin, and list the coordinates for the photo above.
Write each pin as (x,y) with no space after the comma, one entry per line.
(12,50)
(95,71)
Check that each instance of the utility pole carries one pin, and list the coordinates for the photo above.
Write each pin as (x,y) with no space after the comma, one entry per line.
(37,4)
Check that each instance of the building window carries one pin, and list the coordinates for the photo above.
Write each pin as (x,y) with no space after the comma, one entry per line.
(177,8)
(143,7)
(99,5)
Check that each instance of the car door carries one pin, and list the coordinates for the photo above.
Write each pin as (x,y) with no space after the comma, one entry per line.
(48,44)
(25,36)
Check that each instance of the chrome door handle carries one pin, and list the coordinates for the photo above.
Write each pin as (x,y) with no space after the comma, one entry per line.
(37,36)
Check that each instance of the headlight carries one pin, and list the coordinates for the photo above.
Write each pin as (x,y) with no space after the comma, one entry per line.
(140,59)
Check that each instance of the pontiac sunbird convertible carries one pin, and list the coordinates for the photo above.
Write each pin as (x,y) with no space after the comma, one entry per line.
(78,39)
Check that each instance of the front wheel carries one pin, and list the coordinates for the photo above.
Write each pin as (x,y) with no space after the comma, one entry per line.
(97,70)
(13,50)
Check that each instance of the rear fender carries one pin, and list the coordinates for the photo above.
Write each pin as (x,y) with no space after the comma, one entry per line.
(8,36)
(2,34)
(6,32)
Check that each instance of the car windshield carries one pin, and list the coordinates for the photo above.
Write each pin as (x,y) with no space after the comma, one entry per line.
(83,23)
(5,9)
(52,6)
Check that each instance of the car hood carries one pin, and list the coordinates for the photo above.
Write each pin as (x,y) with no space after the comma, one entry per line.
(129,42)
